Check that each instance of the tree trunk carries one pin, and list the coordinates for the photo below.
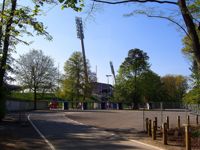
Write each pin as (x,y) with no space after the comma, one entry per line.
(1,24)
(191,30)
(7,42)
(35,98)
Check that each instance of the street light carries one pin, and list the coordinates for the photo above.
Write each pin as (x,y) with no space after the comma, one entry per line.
(108,75)
(108,89)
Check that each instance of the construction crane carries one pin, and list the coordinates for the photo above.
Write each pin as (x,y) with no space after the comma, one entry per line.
(112,70)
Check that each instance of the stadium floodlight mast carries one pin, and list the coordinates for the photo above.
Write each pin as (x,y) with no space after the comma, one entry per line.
(80,35)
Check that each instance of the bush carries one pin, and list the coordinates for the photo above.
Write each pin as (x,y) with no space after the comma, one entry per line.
(29,96)
(196,133)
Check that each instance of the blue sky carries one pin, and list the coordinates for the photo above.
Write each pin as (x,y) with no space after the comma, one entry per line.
(109,38)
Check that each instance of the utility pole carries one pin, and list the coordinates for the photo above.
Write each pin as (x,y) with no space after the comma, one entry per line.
(80,35)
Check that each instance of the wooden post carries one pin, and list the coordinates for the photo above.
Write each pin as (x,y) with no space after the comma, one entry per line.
(197,119)
(147,125)
(187,137)
(153,130)
(188,119)
(156,123)
(164,133)
(179,122)
(167,121)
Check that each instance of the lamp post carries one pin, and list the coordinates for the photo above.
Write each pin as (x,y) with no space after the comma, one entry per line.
(108,75)
(108,90)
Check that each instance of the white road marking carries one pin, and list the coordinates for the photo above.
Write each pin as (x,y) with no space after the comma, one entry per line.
(42,136)
(112,134)
(75,122)
(148,145)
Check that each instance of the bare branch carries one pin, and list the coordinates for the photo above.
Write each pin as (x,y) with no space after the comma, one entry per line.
(139,1)
(171,20)
(19,40)
(91,10)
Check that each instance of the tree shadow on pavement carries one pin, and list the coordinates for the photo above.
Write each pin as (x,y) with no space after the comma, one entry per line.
(17,136)
(68,135)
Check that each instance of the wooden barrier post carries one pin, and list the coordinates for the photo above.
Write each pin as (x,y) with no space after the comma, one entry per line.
(167,121)
(164,126)
(188,119)
(156,123)
(153,130)
(147,125)
(187,137)
(179,122)
(197,119)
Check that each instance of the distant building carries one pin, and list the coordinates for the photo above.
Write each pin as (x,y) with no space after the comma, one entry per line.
(102,91)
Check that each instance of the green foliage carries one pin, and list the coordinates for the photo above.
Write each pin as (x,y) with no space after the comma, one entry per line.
(73,85)
(29,96)
(192,97)
(151,87)
(76,5)
(187,49)
(194,7)
(195,133)
(134,64)
(175,87)
(128,88)
(137,83)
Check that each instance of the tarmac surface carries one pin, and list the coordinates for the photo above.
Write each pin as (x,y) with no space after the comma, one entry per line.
(89,129)
(63,133)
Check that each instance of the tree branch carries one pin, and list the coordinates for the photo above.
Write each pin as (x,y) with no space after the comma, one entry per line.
(139,1)
(19,40)
(169,19)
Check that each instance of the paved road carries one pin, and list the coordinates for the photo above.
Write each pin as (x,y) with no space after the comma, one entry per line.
(127,119)
(66,134)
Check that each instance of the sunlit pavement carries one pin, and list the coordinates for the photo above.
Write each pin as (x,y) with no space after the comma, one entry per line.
(64,133)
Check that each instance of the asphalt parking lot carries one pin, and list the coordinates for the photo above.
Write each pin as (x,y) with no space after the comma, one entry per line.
(127,119)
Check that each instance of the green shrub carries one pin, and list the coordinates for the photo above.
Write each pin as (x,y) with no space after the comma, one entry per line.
(196,133)
(29,96)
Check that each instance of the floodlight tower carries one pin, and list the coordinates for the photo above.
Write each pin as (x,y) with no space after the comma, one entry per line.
(80,35)
(113,71)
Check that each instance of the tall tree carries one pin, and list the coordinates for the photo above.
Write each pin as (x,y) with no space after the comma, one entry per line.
(74,85)
(151,87)
(15,21)
(175,87)
(134,65)
(36,72)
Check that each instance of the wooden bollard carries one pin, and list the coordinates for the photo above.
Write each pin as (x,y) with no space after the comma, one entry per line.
(197,119)
(187,137)
(188,119)
(149,127)
(154,130)
(178,122)
(167,121)
(164,126)
(156,123)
